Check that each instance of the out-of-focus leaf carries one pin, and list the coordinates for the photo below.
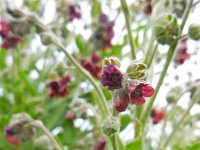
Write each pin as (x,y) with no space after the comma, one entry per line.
(192,146)
(2,58)
(124,121)
(32,5)
(134,145)
(96,8)
(80,44)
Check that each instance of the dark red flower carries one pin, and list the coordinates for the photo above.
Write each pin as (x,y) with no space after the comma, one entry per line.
(182,54)
(95,58)
(104,33)
(138,92)
(148,7)
(92,66)
(8,133)
(121,100)
(100,144)
(4,28)
(73,12)
(112,78)
(157,116)
(59,87)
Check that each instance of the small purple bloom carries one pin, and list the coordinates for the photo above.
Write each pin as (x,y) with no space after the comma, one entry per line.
(103,18)
(112,78)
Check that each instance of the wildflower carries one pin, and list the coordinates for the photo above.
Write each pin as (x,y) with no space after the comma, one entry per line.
(121,100)
(9,135)
(92,66)
(9,39)
(138,92)
(100,144)
(19,129)
(4,30)
(157,116)
(103,34)
(182,54)
(59,87)
(148,7)
(112,78)
(73,12)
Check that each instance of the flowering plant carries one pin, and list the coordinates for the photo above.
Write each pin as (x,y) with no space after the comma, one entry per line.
(99,75)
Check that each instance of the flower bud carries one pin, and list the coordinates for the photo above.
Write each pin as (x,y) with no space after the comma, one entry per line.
(111,61)
(173,94)
(166,29)
(136,70)
(110,125)
(46,38)
(20,127)
(194,31)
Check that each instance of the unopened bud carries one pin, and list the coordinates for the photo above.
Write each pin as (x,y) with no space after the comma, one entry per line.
(110,125)
(136,70)
(46,38)
(173,94)
(194,31)
(166,29)
(111,61)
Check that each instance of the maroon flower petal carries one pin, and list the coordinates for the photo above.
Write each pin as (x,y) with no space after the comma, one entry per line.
(147,90)
(137,100)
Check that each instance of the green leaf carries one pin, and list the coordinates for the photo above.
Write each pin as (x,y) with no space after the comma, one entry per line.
(96,8)
(124,120)
(80,44)
(134,145)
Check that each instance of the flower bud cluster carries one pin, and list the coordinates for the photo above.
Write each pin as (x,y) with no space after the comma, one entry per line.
(182,54)
(72,12)
(127,88)
(19,129)
(103,34)
(93,66)
(10,39)
(58,87)
(166,29)
(157,116)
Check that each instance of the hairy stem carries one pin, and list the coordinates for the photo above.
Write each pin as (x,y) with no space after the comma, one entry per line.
(168,60)
(128,26)
(39,125)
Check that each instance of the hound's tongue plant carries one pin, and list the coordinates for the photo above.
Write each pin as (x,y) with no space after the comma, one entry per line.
(82,91)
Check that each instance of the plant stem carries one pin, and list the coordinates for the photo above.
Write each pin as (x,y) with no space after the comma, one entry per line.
(128,26)
(168,60)
(170,113)
(195,98)
(39,125)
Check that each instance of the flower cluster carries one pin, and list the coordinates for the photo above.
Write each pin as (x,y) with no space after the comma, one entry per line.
(92,66)
(9,135)
(126,90)
(73,12)
(182,54)
(100,144)
(148,7)
(19,129)
(157,116)
(59,87)
(10,40)
(104,33)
